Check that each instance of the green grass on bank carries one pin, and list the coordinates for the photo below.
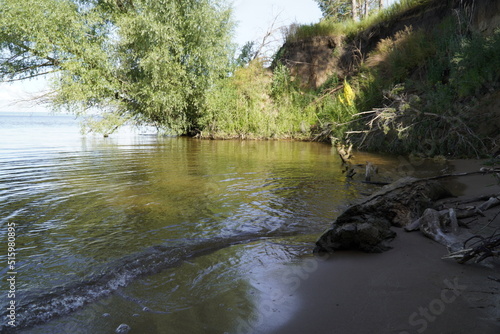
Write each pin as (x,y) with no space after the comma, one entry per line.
(414,93)
(257,104)
(349,27)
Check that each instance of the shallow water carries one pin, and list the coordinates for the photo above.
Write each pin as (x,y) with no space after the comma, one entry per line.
(166,235)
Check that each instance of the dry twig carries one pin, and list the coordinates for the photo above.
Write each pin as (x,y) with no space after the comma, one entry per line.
(478,247)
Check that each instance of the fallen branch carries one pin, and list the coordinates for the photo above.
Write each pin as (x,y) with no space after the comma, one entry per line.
(481,171)
(480,198)
(494,279)
(376,183)
(491,202)
(490,221)
(477,247)
(401,117)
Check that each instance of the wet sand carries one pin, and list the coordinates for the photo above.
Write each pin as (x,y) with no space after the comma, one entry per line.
(408,289)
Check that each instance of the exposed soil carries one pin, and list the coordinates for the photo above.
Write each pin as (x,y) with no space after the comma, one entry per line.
(314,60)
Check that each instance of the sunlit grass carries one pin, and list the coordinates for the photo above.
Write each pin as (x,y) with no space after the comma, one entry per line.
(421,84)
(350,27)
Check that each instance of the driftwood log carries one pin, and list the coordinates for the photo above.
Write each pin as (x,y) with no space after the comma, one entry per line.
(367,225)
(441,226)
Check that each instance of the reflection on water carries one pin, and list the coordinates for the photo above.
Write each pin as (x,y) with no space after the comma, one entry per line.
(164,234)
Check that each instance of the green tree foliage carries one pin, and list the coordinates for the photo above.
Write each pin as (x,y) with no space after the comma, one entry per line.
(337,9)
(147,60)
(246,55)
(344,9)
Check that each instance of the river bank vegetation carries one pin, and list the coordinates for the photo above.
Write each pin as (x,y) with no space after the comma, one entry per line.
(393,87)
(419,77)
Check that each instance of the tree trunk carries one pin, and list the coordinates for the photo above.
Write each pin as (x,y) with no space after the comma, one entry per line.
(354,9)
(380,4)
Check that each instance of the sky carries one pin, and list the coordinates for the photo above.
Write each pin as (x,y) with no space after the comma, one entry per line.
(253,18)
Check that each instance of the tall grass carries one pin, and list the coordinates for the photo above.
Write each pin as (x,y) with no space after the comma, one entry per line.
(255,104)
(350,27)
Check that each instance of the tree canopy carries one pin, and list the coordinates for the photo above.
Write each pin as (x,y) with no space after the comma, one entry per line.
(343,9)
(147,60)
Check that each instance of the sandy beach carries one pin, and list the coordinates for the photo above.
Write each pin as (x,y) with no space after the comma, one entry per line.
(408,289)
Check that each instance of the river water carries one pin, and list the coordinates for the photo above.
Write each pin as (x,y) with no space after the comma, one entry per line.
(165,235)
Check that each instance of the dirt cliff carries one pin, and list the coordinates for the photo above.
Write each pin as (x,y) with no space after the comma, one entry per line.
(312,61)
(426,72)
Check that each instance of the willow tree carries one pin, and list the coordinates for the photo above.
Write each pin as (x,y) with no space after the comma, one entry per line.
(147,60)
